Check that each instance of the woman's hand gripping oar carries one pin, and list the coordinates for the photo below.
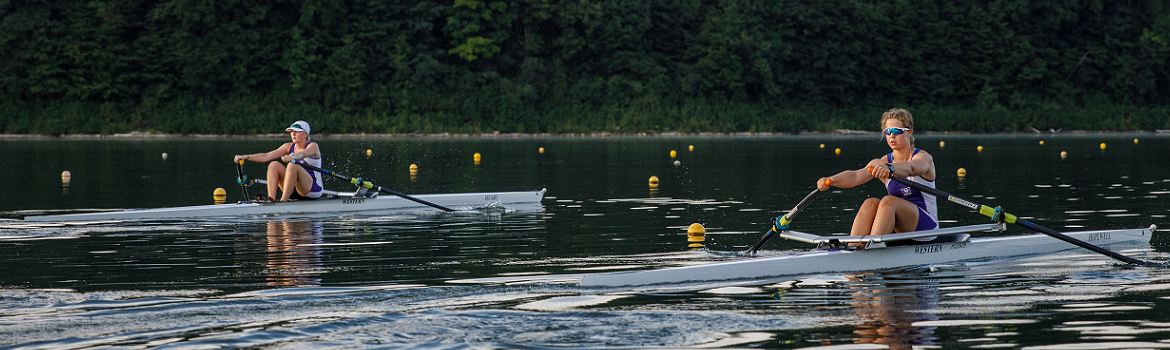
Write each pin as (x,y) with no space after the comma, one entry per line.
(362,183)
(782,222)
(999,215)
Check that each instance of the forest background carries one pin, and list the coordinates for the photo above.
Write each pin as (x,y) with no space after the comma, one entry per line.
(579,66)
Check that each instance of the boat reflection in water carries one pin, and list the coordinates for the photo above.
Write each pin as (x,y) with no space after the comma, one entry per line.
(290,253)
(892,303)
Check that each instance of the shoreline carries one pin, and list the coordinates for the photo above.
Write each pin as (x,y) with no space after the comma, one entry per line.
(136,135)
(842,132)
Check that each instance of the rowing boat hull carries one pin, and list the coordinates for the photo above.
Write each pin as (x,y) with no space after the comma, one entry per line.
(335,205)
(828,261)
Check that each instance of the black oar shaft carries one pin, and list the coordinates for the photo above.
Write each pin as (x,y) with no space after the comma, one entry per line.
(1012,219)
(362,183)
(243,180)
(784,221)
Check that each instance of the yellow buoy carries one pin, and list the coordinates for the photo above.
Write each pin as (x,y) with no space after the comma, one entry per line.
(164,155)
(962,172)
(673,154)
(692,147)
(1102,145)
(653,181)
(369,152)
(696,232)
(1135,141)
(837,151)
(540,150)
(1041,142)
(219,196)
(476,157)
(413,168)
(822,145)
(980,148)
(66,174)
(1063,154)
(942,144)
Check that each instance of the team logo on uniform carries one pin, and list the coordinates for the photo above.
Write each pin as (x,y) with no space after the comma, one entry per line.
(905,191)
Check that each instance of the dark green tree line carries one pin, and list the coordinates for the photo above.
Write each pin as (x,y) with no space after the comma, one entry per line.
(241,66)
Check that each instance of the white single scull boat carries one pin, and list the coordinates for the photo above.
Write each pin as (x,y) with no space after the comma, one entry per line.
(881,253)
(334,202)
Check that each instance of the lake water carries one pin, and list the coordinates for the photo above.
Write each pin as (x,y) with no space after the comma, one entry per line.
(388,281)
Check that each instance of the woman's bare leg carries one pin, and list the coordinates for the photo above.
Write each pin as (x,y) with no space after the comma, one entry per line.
(275,177)
(296,178)
(895,215)
(865,216)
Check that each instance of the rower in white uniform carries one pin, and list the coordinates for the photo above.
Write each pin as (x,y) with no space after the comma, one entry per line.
(293,180)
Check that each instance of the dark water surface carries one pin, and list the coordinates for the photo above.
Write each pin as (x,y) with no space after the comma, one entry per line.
(361,281)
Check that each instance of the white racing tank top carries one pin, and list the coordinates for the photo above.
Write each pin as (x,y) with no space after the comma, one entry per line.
(318,184)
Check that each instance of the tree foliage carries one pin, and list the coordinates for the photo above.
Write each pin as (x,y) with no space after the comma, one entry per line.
(576,65)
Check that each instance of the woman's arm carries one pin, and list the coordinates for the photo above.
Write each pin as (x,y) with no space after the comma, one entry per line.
(850,178)
(310,152)
(922,164)
(266,157)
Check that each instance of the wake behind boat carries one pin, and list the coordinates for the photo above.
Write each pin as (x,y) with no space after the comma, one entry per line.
(881,253)
(333,202)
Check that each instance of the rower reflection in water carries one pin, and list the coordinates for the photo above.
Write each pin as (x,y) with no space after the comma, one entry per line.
(892,305)
(903,209)
(294,181)
(883,308)
(294,257)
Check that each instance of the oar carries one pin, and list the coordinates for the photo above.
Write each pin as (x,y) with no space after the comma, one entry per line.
(362,183)
(782,222)
(999,215)
(241,179)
